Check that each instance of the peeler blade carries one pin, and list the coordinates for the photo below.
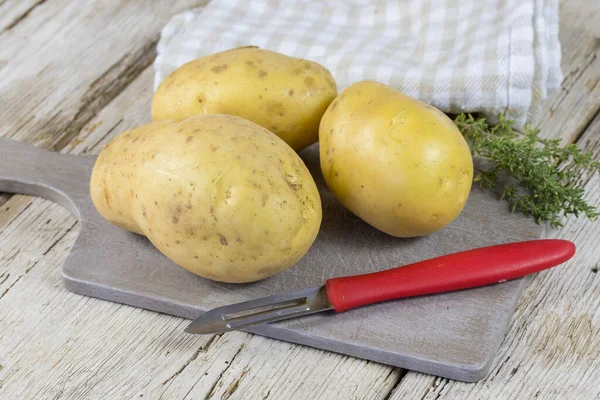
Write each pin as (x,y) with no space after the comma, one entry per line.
(259,311)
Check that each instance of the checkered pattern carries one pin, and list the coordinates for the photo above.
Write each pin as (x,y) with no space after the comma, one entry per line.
(491,56)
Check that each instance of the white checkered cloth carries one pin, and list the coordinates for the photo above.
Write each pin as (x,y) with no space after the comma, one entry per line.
(491,56)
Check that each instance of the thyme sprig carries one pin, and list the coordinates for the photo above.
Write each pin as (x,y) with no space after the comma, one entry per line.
(537,176)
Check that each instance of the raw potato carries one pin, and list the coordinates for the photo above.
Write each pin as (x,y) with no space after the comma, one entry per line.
(219,195)
(399,164)
(286,95)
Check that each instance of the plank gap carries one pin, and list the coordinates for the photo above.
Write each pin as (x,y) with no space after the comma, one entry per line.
(104,89)
(213,387)
(587,125)
(401,374)
(23,16)
(201,349)
(36,262)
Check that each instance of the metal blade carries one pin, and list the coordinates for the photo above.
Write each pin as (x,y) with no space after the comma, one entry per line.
(259,311)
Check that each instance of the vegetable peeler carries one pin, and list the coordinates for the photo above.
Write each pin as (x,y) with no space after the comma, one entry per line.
(463,270)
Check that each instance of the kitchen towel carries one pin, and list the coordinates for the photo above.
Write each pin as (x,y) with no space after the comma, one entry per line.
(489,56)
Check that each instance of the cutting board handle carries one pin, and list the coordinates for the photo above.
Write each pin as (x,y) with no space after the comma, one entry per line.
(62,178)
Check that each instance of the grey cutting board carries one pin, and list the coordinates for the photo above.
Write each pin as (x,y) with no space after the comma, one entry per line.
(454,335)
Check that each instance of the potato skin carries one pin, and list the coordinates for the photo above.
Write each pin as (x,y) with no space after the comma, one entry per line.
(283,94)
(219,195)
(398,163)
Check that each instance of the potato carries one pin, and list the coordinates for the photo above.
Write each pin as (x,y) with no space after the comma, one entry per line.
(399,164)
(286,95)
(219,195)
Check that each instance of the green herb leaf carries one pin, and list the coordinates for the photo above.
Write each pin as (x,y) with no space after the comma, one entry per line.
(538,177)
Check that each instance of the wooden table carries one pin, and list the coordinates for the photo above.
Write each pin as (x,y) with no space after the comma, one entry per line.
(73,74)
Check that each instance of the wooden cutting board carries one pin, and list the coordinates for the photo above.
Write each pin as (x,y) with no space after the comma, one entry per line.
(454,335)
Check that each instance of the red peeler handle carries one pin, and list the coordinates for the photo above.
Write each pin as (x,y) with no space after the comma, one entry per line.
(456,271)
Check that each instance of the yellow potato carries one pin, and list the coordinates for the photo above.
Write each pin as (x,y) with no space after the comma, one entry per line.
(286,95)
(219,195)
(399,164)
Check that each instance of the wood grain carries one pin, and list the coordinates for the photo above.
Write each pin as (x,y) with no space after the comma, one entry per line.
(567,113)
(12,12)
(56,344)
(66,60)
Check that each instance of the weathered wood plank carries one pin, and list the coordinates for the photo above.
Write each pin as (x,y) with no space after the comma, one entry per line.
(585,12)
(11,207)
(267,368)
(54,342)
(36,235)
(67,59)
(12,12)
(416,385)
(568,112)
(128,110)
